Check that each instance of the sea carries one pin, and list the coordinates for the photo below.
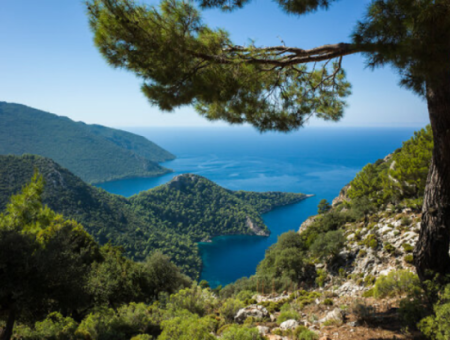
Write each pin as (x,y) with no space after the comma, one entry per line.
(312,160)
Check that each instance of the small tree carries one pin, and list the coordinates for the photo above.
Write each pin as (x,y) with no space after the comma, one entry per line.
(323,206)
(44,259)
(328,245)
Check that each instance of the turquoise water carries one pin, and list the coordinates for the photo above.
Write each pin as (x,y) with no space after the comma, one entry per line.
(312,160)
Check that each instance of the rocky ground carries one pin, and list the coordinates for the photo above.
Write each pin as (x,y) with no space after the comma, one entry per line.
(381,244)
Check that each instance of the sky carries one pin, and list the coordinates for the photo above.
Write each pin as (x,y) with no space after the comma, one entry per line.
(48,61)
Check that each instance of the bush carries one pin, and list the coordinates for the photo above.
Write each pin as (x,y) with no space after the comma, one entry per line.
(389,248)
(409,259)
(287,315)
(195,300)
(363,312)
(188,327)
(437,326)
(370,241)
(407,247)
(405,221)
(412,310)
(245,295)
(328,302)
(329,245)
(229,309)
(235,332)
(396,283)
(55,326)
(321,277)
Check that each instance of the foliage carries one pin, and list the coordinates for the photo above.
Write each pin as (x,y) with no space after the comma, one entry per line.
(235,332)
(287,315)
(396,283)
(284,259)
(183,61)
(54,327)
(93,152)
(44,259)
(323,206)
(437,326)
(229,308)
(187,327)
(329,245)
(400,177)
(194,299)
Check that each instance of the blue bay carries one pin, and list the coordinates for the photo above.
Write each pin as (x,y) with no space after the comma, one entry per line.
(317,161)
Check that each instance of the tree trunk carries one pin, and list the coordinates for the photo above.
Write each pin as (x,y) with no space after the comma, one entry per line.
(8,331)
(431,255)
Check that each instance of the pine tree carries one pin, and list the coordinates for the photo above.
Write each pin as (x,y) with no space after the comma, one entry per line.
(183,61)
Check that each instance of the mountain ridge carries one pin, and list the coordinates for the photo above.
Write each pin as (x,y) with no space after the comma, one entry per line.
(93,152)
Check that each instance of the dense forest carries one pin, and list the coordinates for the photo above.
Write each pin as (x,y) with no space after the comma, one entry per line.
(94,153)
(170,218)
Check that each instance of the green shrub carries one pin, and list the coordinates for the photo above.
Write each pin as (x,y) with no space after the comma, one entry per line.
(368,293)
(405,221)
(412,310)
(328,302)
(187,327)
(235,332)
(369,280)
(437,326)
(370,241)
(362,311)
(321,277)
(389,248)
(303,333)
(396,283)
(229,309)
(328,245)
(245,295)
(142,337)
(287,315)
(55,326)
(407,247)
(409,259)
(195,300)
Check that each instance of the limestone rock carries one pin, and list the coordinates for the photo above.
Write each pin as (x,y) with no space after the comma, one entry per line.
(289,324)
(255,311)
(263,330)
(335,315)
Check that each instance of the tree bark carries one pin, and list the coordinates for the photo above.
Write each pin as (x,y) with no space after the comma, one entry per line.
(431,254)
(8,331)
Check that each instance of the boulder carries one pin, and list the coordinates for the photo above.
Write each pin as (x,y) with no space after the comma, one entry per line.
(335,315)
(288,324)
(263,330)
(255,311)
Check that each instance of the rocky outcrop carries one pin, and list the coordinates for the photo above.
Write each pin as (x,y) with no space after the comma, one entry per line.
(308,222)
(289,324)
(256,229)
(336,316)
(255,311)
(342,196)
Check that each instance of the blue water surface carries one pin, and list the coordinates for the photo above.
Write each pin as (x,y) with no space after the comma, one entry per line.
(317,161)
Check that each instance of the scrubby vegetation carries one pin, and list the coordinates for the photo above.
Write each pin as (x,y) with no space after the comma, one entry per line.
(92,152)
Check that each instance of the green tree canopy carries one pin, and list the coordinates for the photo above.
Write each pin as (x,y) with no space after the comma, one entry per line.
(44,259)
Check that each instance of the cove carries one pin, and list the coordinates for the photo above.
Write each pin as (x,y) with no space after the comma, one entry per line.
(317,161)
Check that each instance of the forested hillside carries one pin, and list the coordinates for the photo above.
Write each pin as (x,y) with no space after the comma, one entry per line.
(171,218)
(92,152)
